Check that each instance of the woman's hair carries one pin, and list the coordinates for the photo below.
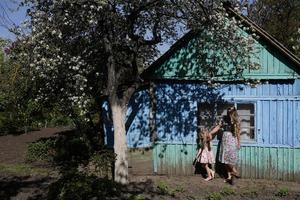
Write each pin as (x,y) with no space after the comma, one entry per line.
(234,120)
(204,138)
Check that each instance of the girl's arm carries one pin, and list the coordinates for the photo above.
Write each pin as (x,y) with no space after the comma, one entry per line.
(213,132)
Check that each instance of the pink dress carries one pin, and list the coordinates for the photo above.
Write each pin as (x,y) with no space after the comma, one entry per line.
(206,156)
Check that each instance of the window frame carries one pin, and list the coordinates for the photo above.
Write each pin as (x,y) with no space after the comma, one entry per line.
(235,103)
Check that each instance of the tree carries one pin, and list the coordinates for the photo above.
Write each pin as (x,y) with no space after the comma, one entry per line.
(280,18)
(77,52)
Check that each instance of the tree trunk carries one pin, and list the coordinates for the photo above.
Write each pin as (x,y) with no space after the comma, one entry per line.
(120,145)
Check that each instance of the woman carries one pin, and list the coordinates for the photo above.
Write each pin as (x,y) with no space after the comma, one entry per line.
(230,143)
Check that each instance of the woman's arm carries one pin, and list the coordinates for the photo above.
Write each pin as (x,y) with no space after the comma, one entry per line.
(238,140)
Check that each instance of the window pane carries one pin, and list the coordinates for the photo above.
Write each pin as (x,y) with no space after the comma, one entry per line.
(246,113)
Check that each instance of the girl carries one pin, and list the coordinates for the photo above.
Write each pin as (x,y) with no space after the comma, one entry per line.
(205,154)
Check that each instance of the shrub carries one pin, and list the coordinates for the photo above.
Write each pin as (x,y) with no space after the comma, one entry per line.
(77,186)
(103,162)
(42,150)
(282,192)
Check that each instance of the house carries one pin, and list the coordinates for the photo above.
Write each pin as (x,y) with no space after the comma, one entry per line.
(168,114)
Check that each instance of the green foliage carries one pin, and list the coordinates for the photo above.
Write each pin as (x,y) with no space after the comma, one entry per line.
(252,193)
(226,191)
(214,196)
(136,197)
(191,197)
(23,170)
(164,189)
(42,150)
(78,186)
(282,192)
(179,189)
(103,162)
(281,19)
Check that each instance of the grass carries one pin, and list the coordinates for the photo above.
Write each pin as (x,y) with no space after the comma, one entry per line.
(282,192)
(164,189)
(22,170)
(214,196)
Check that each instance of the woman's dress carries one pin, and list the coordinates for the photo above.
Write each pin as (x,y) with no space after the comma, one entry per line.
(228,149)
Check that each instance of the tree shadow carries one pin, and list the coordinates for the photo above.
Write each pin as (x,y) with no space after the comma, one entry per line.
(10,186)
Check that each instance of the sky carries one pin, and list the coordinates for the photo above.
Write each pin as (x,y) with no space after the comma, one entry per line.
(10,14)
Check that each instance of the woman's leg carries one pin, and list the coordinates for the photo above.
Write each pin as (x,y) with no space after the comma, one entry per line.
(229,171)
(234,171)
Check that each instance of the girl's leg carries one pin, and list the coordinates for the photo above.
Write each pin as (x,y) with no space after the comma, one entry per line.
(208,171)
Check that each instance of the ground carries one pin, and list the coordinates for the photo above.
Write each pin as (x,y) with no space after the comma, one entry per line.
(21,180)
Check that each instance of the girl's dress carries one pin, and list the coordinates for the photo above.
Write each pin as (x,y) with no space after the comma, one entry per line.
(206,156)
(228,149)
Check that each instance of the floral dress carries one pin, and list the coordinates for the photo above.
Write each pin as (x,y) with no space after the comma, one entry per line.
(206,156)
(228,149)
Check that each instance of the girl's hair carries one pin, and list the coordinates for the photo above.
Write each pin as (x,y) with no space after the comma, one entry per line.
(234,121)
(204,138)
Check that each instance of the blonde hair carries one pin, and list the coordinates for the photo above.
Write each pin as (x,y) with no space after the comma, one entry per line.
(234,121)
(204,138)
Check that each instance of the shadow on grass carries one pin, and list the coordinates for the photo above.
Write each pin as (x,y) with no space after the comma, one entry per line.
(12,185)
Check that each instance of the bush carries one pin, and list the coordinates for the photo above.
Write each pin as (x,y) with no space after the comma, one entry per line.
(77,186)
(42,150)
(103,163)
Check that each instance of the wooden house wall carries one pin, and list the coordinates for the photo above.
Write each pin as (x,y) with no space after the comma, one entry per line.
(273,153)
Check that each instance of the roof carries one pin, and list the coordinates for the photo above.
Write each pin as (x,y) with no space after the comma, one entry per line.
(148,73)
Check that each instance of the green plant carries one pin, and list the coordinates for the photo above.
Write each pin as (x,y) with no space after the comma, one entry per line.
(214,196)
(41,150)
(103,162)
(23,170)
(282,192)
(136,197)
(78,186)
(163,189)
(251,194)
(179,189)
(274,198)
(191,197)
(226,191)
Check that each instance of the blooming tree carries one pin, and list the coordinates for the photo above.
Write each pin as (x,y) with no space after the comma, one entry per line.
(78,51)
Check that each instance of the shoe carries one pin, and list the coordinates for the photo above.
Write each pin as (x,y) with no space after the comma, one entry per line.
(230,181)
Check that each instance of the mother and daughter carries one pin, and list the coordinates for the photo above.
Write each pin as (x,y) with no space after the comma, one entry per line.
(230,144)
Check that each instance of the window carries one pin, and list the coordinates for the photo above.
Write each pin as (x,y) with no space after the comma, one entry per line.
(208,114)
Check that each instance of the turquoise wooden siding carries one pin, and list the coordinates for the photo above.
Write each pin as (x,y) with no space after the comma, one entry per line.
(254,161)
(184,64)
